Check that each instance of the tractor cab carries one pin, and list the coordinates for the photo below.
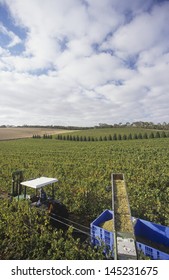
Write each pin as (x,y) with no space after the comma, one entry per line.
(34,189)
(40,192)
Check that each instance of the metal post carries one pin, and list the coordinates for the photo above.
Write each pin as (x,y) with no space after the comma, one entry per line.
(114,233)
(18,191)
(53,191)
(12,190)
(24,192)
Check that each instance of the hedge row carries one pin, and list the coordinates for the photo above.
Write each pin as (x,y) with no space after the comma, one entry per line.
(45,136)
(113,137)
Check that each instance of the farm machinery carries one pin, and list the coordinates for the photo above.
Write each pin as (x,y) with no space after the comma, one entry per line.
(34,191)
(40,193)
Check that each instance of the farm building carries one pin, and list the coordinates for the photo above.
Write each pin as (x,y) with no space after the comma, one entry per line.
(125,235)
(150,238)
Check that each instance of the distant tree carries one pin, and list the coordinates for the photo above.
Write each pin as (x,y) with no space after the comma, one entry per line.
(88,138)
(119,137)
(157,135)
(135,136)
(109,137)
(145,136)
(68,137)
(151,135)
(127,124)
(114,136)
(105,138)
(104,125)
(81,138)
(163,134)
(77,138)
(37,136)
(84,139)
(124,137)
(129,137)
(100,138)
(140,136)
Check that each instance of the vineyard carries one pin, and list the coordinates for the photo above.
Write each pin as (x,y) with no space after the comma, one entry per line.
(84,173)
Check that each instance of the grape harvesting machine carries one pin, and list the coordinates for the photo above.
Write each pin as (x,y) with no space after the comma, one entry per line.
(34,190)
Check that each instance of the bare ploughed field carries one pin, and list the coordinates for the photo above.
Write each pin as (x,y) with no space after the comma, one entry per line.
(26,132)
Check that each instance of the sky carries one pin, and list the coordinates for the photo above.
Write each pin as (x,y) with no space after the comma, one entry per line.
(84,62)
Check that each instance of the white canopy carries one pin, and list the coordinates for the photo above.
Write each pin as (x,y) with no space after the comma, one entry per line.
(39,182)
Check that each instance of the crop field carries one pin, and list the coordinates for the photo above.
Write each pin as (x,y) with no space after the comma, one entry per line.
(84,171)
(20,132)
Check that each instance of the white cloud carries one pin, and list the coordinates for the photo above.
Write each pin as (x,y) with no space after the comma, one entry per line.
(142,33)
(105,61)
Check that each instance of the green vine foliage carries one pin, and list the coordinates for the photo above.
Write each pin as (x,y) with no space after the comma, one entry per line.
(84,171)
(27,234)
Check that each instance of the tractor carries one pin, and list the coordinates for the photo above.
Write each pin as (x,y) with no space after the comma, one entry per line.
(34,191)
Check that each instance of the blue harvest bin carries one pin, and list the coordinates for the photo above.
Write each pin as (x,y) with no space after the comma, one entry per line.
(147,230)
(154,233)
(100,236)
(151,231)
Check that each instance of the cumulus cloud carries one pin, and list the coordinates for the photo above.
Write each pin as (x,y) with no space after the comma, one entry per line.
(84,62)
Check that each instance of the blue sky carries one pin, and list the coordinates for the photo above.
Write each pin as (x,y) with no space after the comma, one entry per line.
(83,62)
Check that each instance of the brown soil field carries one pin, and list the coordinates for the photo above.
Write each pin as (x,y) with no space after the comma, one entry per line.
(10,133)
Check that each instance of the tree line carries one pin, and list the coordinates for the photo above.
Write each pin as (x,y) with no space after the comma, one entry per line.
(139,124)
(45,136)
(115,137)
